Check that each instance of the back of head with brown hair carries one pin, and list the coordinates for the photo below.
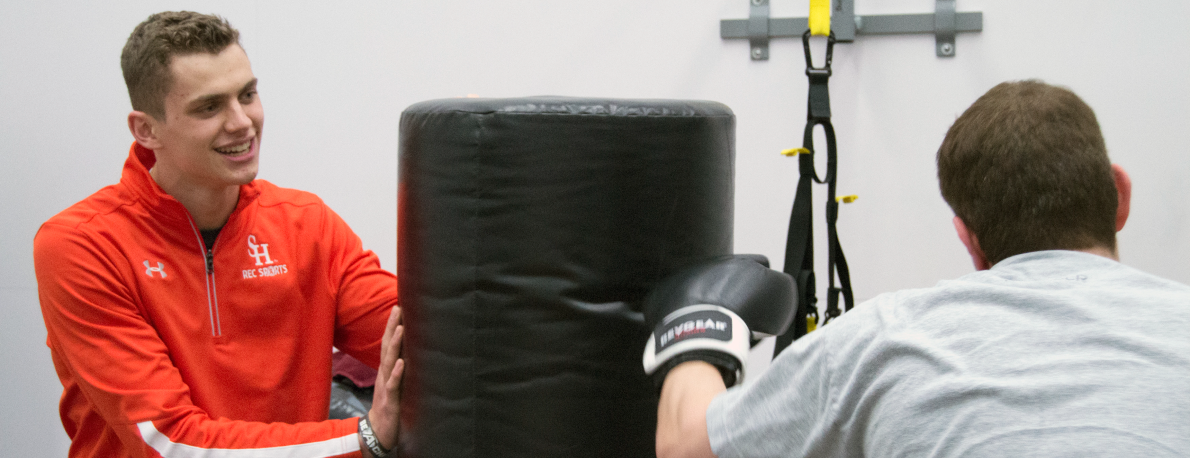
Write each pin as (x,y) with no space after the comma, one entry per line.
(149,50)
(1026,169)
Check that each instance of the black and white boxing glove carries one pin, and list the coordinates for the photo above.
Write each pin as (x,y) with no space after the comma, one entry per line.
(714,311)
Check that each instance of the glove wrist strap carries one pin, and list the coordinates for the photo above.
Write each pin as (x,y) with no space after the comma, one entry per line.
(729,367)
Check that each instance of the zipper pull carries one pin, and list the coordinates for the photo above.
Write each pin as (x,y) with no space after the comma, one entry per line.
(210,261)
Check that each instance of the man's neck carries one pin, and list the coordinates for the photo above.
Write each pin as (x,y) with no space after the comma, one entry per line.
(210,208)
(1109,253)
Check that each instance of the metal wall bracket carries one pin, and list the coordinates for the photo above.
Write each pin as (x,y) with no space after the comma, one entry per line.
(944,23)
(758,29)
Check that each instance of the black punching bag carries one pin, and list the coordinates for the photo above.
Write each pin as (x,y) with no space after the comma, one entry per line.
(529,230)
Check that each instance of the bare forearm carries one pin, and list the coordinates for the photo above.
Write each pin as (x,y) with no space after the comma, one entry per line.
(682,412)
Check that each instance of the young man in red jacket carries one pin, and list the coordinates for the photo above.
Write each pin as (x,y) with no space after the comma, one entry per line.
(192,309)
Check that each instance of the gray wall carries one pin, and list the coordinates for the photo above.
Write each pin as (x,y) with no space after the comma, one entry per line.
(334,80)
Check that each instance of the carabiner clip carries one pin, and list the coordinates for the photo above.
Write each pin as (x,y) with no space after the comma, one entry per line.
(811,70)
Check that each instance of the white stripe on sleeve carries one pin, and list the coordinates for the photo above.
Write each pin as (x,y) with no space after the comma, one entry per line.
(170,449)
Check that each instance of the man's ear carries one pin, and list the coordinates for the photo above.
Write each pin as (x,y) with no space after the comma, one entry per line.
(144,129)
(1123,194)
(972,244)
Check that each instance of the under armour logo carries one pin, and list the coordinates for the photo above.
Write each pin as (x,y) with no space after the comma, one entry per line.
(259,251)
(150,269)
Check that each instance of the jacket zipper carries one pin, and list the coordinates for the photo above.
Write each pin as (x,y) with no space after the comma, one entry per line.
(212,297)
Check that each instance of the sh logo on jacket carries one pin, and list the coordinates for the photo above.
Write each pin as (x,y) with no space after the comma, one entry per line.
(266,266)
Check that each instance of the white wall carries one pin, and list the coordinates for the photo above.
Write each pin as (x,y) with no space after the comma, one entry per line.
(334,80)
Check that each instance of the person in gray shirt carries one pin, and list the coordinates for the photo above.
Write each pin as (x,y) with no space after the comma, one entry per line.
(1052,348)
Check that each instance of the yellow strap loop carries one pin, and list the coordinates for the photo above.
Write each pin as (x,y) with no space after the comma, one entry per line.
(846,199)
(811,324)
(795,151)
(820,17)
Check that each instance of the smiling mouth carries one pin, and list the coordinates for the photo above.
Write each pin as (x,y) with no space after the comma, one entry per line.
(235,149)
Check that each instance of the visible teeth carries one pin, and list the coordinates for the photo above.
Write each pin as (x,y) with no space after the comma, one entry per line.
(235,149)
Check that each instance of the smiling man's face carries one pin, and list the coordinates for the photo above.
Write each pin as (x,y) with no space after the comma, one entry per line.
(210,137)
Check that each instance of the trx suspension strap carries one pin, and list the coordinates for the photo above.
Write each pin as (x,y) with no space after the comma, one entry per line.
(799,246)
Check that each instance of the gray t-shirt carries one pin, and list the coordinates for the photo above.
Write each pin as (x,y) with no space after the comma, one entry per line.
(1053,353)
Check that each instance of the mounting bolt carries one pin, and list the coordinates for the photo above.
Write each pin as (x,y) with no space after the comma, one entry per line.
(757,52)
(946,49)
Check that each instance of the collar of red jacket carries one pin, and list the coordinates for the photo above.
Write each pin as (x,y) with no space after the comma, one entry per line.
(138,180)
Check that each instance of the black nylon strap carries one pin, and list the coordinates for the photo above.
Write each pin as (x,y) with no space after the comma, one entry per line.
(818,104)
(799,244)
(799,253)
(832,298)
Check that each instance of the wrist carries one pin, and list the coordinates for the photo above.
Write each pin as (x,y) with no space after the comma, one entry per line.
(370,444)
(363,448)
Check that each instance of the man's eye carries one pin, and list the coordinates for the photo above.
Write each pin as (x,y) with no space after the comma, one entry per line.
(248,96)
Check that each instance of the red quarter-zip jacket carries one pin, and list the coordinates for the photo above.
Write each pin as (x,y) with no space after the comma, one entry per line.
(166,347)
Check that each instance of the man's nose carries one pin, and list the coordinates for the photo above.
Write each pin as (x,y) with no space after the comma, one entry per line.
(237,118)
